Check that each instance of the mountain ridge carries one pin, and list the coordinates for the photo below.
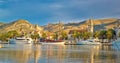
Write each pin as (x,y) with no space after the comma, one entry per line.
(20,25)
(26,26)
(98,24)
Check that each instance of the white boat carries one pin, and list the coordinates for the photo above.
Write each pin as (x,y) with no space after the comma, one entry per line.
(88,42)
(21,40)
(116,42)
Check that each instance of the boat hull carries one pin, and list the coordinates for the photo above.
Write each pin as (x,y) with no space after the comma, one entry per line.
(13,41)
(87,43)
(52,43)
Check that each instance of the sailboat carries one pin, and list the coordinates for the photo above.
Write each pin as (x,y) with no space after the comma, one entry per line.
(48,41)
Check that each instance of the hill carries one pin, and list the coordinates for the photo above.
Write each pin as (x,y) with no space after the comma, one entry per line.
(1,23)
(19,25)
(24,25)
(98,24)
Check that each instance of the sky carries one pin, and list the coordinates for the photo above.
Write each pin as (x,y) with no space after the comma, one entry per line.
(42,12)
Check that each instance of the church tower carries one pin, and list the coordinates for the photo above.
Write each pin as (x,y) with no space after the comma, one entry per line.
(90,26)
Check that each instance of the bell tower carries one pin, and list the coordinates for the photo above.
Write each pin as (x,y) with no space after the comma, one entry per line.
(90,26)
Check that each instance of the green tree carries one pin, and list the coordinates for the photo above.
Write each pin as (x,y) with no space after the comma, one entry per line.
(81,34)
(8,35)
(103,34)
(35,37)
(55,36)
(12,34)
(86,35)
(44,35)
(3,37)
(64,35)
(109,35)
(97,34)
(75,34)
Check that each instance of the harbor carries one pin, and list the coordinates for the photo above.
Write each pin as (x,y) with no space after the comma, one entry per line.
(59,31)
(38,53)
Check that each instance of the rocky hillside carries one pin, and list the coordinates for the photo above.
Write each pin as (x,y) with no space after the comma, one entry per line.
(1,23)
(19,25)
(98,24)
(24,26)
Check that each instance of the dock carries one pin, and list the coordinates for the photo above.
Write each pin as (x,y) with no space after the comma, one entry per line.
(107,44)
(74,43)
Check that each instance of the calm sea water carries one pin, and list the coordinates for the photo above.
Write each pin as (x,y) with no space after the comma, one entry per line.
(59,54)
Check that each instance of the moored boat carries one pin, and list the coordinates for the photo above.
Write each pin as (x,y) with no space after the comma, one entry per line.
(21,40)
(116,42)
(88,42)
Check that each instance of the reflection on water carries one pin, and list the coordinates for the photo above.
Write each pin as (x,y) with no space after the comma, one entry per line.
(59,54)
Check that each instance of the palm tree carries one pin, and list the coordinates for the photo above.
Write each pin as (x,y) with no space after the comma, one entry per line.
(55,36)
(102,34)
(8,35)
(3,37)
(35,37)
(113,32)
(97,34)
(86,35)
(109,35)
(63,35)
(12,34)
(44,35)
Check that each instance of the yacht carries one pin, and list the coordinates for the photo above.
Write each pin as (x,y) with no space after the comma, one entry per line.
(21,40)
(88,42)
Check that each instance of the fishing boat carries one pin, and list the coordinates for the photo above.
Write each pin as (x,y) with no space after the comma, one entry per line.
(88,42)
(21,40)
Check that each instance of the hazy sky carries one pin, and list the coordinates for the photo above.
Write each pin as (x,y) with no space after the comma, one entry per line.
(50,11)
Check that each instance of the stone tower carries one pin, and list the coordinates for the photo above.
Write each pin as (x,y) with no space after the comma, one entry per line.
(90,26)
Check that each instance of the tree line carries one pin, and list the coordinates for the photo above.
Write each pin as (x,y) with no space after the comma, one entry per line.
(109,34)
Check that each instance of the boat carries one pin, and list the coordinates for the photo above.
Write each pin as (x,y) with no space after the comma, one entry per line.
(116,42)
(88,42)
(52,42)
(21,40)
(91,40)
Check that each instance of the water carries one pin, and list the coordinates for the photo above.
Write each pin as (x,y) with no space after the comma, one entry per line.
(58,54)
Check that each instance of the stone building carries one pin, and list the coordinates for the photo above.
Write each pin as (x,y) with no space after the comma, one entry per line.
(38,30)
(90,26)
(117,28)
